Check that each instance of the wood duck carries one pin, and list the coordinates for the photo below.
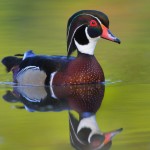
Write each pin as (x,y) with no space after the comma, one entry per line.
(84,29)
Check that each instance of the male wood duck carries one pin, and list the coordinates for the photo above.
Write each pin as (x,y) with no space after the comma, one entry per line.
(84,29)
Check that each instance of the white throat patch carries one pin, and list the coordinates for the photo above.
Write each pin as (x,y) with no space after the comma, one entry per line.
(88,48)
(89,122)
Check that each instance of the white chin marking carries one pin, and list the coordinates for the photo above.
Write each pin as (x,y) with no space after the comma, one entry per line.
(89,122)
(88,48)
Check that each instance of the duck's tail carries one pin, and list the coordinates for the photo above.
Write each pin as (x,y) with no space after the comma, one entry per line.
(11,62)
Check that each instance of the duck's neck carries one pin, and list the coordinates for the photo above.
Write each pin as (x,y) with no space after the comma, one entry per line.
(86,49)
(80,54)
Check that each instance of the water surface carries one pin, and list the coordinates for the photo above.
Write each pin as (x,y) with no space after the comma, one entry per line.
(32,118)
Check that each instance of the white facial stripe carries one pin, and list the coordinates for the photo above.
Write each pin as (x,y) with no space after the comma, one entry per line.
(89,38)
(75,133)
(79,27)
(82,15)
(73,35)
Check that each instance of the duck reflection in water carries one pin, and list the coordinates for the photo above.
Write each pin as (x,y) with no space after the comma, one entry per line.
(86,100)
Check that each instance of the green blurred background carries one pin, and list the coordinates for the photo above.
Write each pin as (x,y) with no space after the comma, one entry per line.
(40,25)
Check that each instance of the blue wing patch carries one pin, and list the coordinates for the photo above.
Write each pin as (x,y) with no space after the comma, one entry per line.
(29,53)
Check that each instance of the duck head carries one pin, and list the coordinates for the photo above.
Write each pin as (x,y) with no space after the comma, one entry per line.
(85,28)
(85,133)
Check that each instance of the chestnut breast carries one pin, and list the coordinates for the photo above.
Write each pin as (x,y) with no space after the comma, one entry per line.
(84,69)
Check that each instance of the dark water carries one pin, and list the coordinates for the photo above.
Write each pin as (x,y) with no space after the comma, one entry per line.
(84,117)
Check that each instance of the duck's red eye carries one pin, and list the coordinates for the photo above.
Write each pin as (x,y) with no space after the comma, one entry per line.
(93,23)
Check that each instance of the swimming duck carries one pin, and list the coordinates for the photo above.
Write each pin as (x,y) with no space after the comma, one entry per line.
(84,29)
